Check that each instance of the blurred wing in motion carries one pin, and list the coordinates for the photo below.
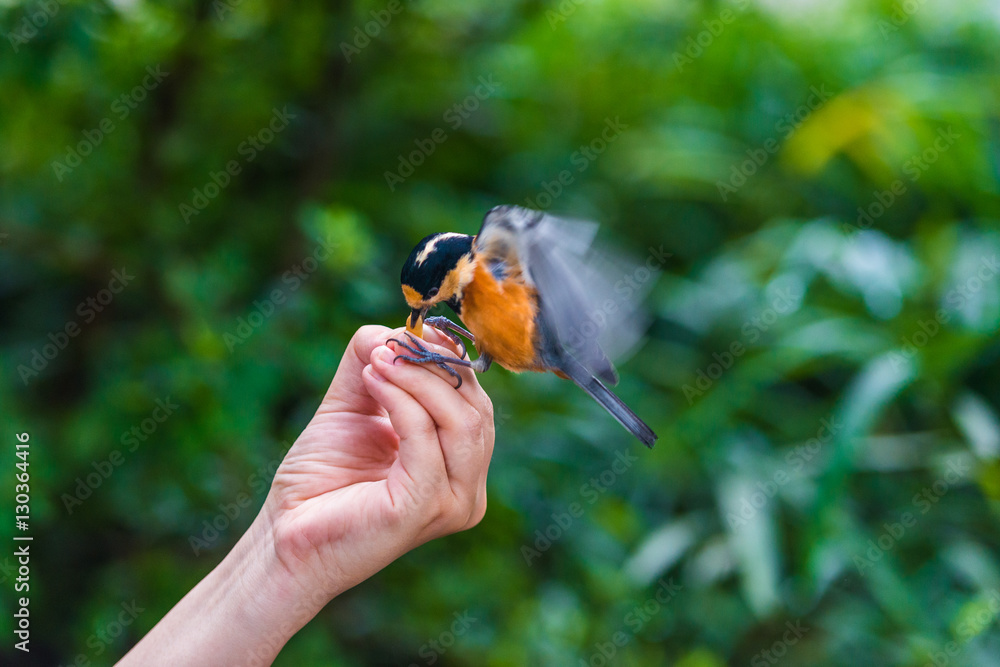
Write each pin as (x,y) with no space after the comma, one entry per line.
(580,306)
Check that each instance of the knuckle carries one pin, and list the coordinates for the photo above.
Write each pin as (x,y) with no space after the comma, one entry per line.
(424,428)
(369,331)
(469,455)
(473,420)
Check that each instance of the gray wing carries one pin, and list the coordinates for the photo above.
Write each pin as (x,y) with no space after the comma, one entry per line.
(584,304)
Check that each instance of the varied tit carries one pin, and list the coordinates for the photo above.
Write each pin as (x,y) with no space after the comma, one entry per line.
(527,291)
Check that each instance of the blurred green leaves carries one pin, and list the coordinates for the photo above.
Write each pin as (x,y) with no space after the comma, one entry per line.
(847,275)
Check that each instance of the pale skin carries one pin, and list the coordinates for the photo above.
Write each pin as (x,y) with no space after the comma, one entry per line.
(393,458)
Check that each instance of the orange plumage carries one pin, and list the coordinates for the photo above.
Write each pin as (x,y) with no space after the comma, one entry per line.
(502,318)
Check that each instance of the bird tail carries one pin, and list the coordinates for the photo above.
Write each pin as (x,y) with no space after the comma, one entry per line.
(616,407)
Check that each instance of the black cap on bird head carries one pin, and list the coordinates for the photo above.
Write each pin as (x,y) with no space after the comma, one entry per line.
(437,270)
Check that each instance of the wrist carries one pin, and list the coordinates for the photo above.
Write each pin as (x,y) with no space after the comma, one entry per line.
(271,602)
(243,612)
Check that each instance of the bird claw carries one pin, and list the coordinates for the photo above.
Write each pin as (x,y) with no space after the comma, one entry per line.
(421,355)
(451,330)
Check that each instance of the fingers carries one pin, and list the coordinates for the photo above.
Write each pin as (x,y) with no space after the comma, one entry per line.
(477,397)
(463,419)
(419,450)
(347,391)
(489,440)
(452,410)
(479,504)
(447,350)
(435,341)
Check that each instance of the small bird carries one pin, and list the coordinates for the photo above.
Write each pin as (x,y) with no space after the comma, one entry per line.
(531,298)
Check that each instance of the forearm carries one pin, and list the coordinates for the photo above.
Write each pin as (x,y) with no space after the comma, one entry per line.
(374,475)
(242,613)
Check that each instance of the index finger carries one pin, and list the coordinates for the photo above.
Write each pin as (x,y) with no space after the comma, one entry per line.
(464,417)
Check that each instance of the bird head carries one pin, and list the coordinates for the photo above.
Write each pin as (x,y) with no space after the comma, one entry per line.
(437,270)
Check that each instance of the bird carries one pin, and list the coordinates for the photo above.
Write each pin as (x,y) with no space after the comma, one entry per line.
(526,289)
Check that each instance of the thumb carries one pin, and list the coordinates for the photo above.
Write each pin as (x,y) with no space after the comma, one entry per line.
(347,392)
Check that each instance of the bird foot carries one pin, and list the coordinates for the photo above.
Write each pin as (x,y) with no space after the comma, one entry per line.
(421,355)
(450,329)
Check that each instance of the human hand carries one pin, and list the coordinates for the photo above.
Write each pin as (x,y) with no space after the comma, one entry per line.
(394,457)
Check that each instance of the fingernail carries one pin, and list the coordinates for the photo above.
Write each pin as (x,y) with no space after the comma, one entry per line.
(376,375)
(384,354)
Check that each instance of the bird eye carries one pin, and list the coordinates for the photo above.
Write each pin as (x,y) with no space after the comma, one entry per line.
(432,293)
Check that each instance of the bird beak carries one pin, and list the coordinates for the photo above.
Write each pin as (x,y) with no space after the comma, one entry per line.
(415,322)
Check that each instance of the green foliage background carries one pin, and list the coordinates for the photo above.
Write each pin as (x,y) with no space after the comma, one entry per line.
(757,531)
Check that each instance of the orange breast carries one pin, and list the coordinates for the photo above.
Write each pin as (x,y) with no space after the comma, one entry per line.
(502,318)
